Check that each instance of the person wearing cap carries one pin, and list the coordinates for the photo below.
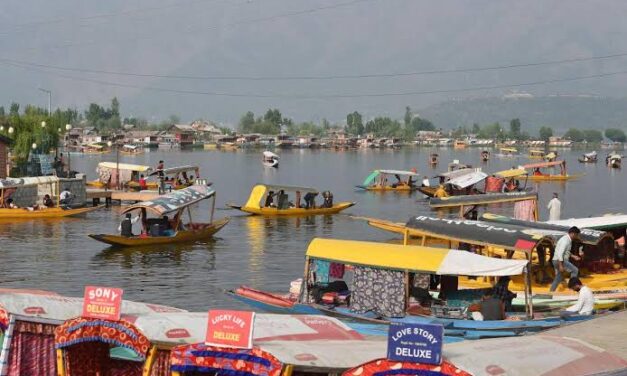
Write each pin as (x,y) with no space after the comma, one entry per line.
(555,208)
(562,256)
(585,301)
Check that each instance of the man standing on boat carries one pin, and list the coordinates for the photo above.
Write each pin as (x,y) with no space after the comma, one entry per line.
(561,257)
(555,208)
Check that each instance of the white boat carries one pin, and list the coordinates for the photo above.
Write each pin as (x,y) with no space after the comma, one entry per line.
(270,159)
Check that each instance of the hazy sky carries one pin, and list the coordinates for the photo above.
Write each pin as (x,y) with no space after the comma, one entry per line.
(253,39)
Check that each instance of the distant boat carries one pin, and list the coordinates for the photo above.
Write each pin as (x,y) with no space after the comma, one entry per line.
(270,159)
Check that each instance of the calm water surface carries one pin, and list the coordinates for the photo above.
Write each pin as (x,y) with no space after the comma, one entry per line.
(260,252)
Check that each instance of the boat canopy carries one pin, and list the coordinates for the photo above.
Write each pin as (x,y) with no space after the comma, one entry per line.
(482,199)
(536,152)
(544,164)
(11,183)
(415,258)
(269,154)
(506,236)
(587,236)
(511,173)
(606,223)
(124,166)
(373,175)
(468,180)
(456,173)
(591,154)
(175,200)
(129,146)
(551,155)
(509,150)
(175,170)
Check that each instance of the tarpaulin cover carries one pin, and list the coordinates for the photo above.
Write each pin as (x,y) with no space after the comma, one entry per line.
(467,180)
(384,367)
(502,235)
(208,359)
(456,173)
(174,200)
(588,236)
(115,333)
(470,264)
(481,199)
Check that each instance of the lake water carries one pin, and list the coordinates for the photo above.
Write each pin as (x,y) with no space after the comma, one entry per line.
(260,252)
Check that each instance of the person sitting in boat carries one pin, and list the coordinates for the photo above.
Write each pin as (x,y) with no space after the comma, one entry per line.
(425,182)
(142,183)
(490,308)
(269,200)
(328,199)
(501,291)
(283,200)
(65,198)
(191,180)
(47,201)
(126,226)
(399,181)
(440,192)
(585,301)
(537,172)
(310,200)
(11,204)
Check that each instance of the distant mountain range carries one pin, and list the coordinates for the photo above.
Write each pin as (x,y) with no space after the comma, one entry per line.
(558,112)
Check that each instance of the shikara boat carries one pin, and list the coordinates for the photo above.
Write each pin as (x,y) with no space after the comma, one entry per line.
(128,149)
(94,149)
(160,230)
(590,157)
(457,182)
(262,202)
(614,160)
(108,173)
(507,152)
(484,200)
(536,154)
(269,159)
(538,175)
(31,210)
(381,284)
(433,159)
(174,178)
(379,181)
(485,155)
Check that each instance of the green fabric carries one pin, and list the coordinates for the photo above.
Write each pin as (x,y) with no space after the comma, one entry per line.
(370,178)
(123,353)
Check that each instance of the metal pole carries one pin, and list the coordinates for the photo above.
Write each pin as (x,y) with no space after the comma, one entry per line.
(117,164)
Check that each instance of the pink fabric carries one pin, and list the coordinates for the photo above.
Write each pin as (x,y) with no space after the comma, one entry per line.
(336,270)
(32,350)
(524,210)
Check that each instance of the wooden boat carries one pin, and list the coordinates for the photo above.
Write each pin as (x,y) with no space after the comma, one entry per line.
(507,152)
(614,160)
(485,155)
(129,149)
(536,154)
(390,258)
(94,149)
(538,175)
(56,212)
(456,182)
(109,172)
(261,202)
(378,181)
(591,157)
(270,159)
(174,178)
(459,144)
(433,159)
(175,203)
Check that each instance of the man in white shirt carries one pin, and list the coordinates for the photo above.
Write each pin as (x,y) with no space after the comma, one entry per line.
(555,208)
(585,301)
(425,182)
(562,256)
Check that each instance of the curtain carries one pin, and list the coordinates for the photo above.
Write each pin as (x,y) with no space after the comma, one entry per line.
(379,291)
(161,366)
(524,210)
(32,350)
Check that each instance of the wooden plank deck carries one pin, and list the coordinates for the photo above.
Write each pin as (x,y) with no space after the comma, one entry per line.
(108,195)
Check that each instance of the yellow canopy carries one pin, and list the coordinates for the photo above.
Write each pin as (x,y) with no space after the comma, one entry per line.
(379,255)
(511,173)
(124,166)
(511,150)
(95,146)
(536,152)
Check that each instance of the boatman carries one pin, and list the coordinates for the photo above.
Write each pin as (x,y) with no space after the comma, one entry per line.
(555,208)
(562,256)
(126,226)
(440,192)
(585,301)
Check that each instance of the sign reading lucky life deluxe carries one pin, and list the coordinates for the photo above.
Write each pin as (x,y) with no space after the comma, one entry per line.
(416,343)
(230,328)
(102,303)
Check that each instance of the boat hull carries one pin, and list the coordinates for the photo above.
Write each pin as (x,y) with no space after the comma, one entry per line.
(44,213)
(404,188)
(272,164)
(180,237)
(554,177)
(274,212)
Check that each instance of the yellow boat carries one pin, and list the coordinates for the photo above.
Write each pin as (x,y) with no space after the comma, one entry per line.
(261,202)
(160,230)
(131,150)
(57,212)
(377,181)
(109,172)
(536,154)
(537,175)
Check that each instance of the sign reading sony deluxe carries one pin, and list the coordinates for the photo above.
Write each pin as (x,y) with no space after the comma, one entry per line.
(416,343)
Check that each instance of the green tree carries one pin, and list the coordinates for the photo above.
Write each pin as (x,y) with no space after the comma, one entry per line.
(115,107)
(274,117)
(408,117)
(247,122)
(491,131)
(354,124)
(592,135)
(615,135)
(545,133)
(419,124)
(514,129)
(14,109)
(476,129)
(574,135)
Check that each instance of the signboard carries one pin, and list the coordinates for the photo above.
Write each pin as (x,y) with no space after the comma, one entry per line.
(230,329)
(102,303)
(415,343)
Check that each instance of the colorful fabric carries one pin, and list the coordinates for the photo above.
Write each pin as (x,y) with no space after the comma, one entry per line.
(224,361)
(336,270)
(525,210)
(379,291)
(4,319)
(321,268)
(32,350)
(384,367)
(161,366)
(119,333)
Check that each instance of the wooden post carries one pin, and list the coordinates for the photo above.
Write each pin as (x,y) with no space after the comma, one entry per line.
(406,237)
(60,362)
(213,207)
(528,296)
(303,285)
(150,360)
